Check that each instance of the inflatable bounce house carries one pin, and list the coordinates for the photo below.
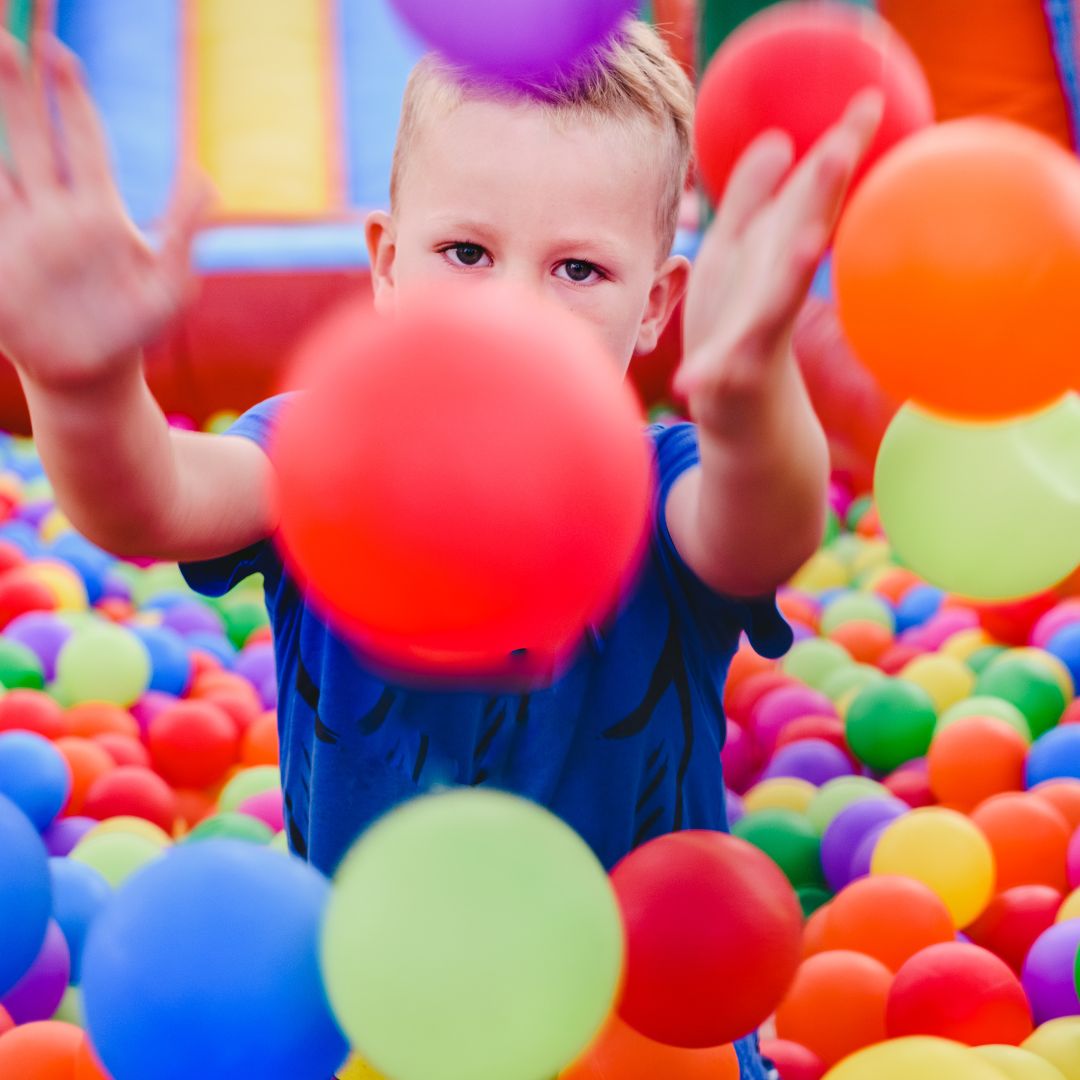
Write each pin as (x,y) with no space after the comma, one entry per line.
(290,107)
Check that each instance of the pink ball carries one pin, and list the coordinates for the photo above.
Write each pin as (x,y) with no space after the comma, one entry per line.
(1057,618)
(266,806)
(739,758)
(942,626)
(777,709)
(1072,861)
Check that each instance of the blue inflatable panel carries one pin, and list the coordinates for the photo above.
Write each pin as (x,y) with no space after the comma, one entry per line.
(269,248)
(131,50)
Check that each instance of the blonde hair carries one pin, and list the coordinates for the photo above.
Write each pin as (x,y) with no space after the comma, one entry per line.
(631,78)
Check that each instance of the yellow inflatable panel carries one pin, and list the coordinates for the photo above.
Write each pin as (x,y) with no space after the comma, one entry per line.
(261,104)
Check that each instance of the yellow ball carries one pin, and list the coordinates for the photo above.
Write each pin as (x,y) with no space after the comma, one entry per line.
(53,524)
(133,826)
(781,793)
(873,554)
(1070,909)
(823,571)
(965,643)
(1017,1064)
(945,851)
(1058,1041)
(915,1059)
(358,1069)
(944,678)
(64,583)
(1052,664)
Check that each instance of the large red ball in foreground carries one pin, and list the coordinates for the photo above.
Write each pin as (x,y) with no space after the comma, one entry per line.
(713,938)
(795,67)
(466,487)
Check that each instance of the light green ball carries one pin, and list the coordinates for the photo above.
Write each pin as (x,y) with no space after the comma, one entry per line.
(103,662)
(840,793)
(155,580)
(983,705)
(232,826)
(471,936)
(857,607)
(116,856)
(813,660)
(248,782)
(852,677)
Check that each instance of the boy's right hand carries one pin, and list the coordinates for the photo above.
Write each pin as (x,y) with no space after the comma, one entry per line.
(81,292)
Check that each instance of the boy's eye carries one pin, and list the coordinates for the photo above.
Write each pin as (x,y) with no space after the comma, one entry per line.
(467,255)
(579,272)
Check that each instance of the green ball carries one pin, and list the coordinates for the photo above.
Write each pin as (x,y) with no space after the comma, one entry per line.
(116,856)
(280,842)
(103,662)
(242,619)
(811,898)
(982,658)
(832,527)
(248,782)
(857,607)
(858,509)
(890,722)
(852,677)
(986,706)
(790,840)
(233,826)
(471,936)
(1027,685)
(839,794)
(70,1009)
(813,660)
(20,667)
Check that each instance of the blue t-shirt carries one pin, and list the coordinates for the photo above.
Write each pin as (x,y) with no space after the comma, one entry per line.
(624,746)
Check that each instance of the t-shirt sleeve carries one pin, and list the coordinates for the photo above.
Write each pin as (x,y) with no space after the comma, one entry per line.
(215,577)
(715,614)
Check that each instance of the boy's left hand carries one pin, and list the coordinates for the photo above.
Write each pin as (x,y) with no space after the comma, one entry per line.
(758,259)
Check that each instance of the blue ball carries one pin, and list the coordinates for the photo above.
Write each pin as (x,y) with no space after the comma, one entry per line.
(918,605)
(23,536)
(1054,755)
(170,658)
(1065,645)
(34,776)
(25,896)
(89,561)
(80,893)
(217,645)
(205,963)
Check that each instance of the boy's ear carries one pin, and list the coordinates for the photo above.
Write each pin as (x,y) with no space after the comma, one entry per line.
(668,289)
(382,249)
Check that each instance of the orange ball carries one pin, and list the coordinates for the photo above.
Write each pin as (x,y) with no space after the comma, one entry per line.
(836,1005)
(973,759)
(745,663)
(887,917)
(867,641)
(1030,840)
(1064,796)
(622,1052)
(192,806)
(90,718)
(260,743)
(957,269)
(87,762)
(47,1050)
(813,939)
(895,582)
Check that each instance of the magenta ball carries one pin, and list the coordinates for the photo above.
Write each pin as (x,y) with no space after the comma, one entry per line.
(1073,860)
(739,758)
(813,760)
(946,623)
(1049,974)
(37,995)
(266,806)
(779,707)
(517,41)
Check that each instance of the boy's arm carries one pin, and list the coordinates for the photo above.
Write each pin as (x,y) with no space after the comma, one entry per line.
(753,512)
(81,294)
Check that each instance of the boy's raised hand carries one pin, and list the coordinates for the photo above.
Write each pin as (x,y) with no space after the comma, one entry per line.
(80,290)
(758,259)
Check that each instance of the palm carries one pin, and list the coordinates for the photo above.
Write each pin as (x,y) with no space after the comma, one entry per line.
(82,288)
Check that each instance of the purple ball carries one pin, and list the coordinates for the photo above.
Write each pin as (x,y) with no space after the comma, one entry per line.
(268,692)
(800,631)
(192,617)
(255,663)
(814,760)
(779,707)
(34,513)
(115,587)
(37,995)
(736,811)
(846,833)
(519,42)
(64,833)
(44,634)
(864,853)
(1049,975)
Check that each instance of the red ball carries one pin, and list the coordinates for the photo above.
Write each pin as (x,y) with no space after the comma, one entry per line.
(506,482)
(11,556)
(1011,623)
(193,743)
(740,704)
(959,992)
(20,592)
(131,791)
(1013,920)
(795,67)
(911,785)
(794,1062)
(897,657)
(32,710)
(713,938)
(123,749)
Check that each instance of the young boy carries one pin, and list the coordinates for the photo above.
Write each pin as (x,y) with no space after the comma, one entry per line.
(572,192)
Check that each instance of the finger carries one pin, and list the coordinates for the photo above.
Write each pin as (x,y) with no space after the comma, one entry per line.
(754,181)
(22,104)
(83,138)
(189,210)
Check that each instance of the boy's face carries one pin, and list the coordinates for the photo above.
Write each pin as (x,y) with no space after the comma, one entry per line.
(497,191)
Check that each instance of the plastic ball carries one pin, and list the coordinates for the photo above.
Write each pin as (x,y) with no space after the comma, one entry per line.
(132,826)
(1049,972)
(814,660)
(959,992)
(838,794)
(20,593)
(423,932)
(1029,838)
(911,784)
(984,706)
(853,677)
(44,634)
(146,960)
(794,1062)
(865,641)
(789,840)
(32,710)
(796,70)
(916,1056)
(25,894)
(116,856)
(45,1050)
(248,782)
(33,775)
(948,681)
(1017,1064)
(777,709)
(529,43)
(847,831)
(458,579)
(813,760)
(698,908)
(79,893)
(1058,1041)
(170,658)
(86,762)
(232,826)
(91,718)
(267,807)
(103,662)
(889,723)
(739,757)
(999,750)
(20,666)
(781,793)
(890,918)
(944,850)
(1013,921)
(260,742)
(1070,908)
(836,1005)
(1064,796)
(38,993)
(1054,756)
(1027,685)
(1065,646)
(132,791)
(193,743)
(64,833)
